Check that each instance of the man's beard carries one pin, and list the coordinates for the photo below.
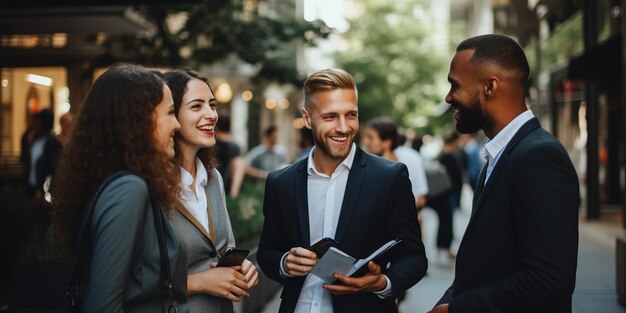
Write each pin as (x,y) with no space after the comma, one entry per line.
(472,118)
(320,144)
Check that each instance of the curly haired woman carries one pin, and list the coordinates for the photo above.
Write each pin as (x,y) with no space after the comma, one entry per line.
(126,123)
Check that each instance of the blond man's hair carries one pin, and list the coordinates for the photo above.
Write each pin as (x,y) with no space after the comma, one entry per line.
(328,79)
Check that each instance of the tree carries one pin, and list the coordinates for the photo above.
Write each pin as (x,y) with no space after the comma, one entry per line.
(215,30)
(399,67)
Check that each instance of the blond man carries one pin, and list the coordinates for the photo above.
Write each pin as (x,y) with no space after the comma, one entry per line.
(360,200)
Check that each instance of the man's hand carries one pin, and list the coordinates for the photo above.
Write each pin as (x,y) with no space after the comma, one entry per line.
(299,261)
(372,281)
(442,308)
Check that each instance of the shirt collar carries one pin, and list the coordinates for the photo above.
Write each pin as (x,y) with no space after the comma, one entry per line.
(347,162)
(494,146)
(201,176)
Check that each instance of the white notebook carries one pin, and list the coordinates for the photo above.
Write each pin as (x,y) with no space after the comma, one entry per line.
(339,262)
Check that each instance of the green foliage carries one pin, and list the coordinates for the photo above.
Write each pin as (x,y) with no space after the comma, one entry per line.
(216,30)
(246,211)
(399,65)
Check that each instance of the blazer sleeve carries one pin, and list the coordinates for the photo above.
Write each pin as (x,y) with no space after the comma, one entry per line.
(273,243)
(116,231)
(409,263)
(545,201)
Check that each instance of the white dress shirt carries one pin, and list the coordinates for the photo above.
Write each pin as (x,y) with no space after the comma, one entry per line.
(494,147)
(196,203)
(414,163)
(325,198)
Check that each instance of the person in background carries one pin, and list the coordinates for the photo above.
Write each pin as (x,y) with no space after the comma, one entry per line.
(305,142)
(230,162)
(445,203)
(520,249)
(474,161)
(381,138)
(414,162)
(201,219)
(126,123)
(267,156)
(40,153)
(66,120)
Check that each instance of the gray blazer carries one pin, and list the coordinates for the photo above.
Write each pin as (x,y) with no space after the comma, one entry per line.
(125,272)
(200,250)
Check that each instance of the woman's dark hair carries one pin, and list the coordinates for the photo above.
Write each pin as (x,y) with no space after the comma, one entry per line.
(177,80)
(113,131)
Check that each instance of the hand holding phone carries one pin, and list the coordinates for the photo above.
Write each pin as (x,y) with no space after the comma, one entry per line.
(233,257)
(322,246)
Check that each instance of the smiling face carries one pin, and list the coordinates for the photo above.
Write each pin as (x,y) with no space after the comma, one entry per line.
(165,123)
(465,94)
(197,117)
(333,117)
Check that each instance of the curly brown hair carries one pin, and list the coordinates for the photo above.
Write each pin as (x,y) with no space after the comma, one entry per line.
(113,131)
(177,80)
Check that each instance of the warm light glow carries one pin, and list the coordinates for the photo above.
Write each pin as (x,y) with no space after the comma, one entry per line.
(270,104)
(298,123)
(283,103)
(247,95)
(224,93)
(5,83)
(38,79)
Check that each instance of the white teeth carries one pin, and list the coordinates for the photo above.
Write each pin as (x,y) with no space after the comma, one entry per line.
(206,128)
(339,138)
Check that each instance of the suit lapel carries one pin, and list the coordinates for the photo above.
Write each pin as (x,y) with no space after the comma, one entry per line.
(480,185)
(532,124)
(351,194)
(302,202)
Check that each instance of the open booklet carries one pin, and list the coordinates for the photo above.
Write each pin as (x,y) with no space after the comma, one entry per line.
(336,261)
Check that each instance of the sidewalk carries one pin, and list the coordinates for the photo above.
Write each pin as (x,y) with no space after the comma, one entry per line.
(595,280)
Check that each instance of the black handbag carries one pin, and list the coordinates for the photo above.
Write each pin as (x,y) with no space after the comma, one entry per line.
(74,293)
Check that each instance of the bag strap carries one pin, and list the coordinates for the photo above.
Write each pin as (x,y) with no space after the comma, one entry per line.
(80,256)
(166,275)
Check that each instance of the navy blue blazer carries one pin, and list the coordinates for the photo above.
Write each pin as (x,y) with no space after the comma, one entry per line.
(520,248)
(378,206)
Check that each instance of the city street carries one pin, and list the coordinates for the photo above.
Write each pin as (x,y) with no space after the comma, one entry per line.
(595,281)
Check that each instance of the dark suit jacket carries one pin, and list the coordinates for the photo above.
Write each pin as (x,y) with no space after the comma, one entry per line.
(378,206)
(519,251)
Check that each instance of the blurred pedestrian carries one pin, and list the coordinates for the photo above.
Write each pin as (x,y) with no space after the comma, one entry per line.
(66,120)
(380,137)
(201,219)
(520,248)
(126,123)
(343,193)
(267,156)
(39,154)
(474,161)
(230,162)
(306,143)
(445,203)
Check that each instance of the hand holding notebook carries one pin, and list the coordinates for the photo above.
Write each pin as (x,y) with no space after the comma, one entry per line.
(336,261)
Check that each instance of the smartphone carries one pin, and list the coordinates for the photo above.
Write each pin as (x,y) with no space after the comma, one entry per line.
(322,246)
(233,257)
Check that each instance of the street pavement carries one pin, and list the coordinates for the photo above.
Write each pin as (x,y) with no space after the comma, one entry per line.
(595,281)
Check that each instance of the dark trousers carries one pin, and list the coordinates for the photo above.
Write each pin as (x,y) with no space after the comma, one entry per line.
(441,205)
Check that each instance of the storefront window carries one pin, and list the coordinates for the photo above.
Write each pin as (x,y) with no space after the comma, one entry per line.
(24,92)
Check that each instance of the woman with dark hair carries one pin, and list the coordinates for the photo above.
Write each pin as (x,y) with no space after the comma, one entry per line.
(201,219)
(126,123)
